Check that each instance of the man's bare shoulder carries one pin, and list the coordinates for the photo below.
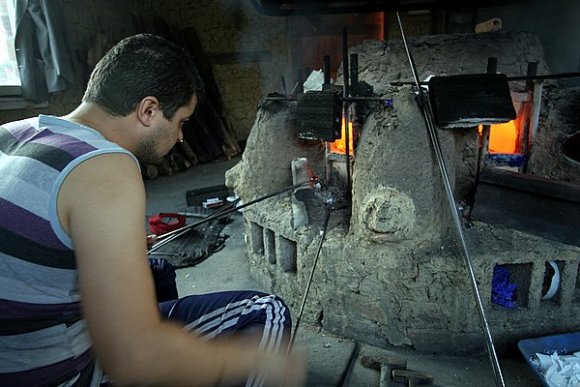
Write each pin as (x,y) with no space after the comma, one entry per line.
(114,163)
(106,168)
(98,183)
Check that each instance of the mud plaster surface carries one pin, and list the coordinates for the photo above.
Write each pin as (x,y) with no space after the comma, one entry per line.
(392,273)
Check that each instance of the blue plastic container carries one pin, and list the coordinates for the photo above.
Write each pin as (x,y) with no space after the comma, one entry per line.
(564,344)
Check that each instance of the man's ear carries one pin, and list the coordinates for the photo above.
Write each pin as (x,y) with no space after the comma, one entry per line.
(147,109)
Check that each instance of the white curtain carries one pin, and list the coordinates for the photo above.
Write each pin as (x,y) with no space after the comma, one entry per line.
(42,52)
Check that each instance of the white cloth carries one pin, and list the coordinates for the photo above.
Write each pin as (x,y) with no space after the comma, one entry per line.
(560,370)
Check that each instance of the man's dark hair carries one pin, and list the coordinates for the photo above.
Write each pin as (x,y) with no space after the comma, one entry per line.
(139,66)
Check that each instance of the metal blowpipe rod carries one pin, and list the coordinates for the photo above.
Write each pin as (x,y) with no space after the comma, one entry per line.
(168,237)
(310,278)
(427,110)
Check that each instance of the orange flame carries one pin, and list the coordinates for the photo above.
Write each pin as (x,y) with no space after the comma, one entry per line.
(503,138)
(339,145)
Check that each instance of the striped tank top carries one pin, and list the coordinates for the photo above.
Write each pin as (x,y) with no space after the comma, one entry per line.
(43,337)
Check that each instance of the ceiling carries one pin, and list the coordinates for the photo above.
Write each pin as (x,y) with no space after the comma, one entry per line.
(318,7)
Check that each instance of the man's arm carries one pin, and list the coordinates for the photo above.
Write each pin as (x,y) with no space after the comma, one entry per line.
(102,206)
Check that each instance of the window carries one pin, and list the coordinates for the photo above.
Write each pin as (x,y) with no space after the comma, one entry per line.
(39,41)
(9,75)
(10,91)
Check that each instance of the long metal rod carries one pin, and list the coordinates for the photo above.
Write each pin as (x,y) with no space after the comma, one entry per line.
(434,136)
(347,371)
(345,109)
(168,237)
(342,99)
(305,296)
(509,79)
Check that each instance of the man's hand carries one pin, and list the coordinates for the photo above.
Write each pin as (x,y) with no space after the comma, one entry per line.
(290,372)
(151,239)
(274,369)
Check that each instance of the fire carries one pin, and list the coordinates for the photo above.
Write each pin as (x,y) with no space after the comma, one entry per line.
(339,146)
(503,138)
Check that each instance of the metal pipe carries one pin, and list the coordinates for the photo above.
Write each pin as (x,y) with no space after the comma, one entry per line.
(486,130)
(526,134)
(427,109)
(531,73)
(349,99)
(328,164)
(353,75)
(534,119)
(299,318)
(324,7)
(347,371)
(345,110)
(509,79)
(327,70)
(218,214)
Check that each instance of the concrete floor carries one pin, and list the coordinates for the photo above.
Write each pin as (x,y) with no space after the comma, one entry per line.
(327,355)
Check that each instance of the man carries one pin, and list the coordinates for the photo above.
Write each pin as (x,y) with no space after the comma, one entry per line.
(77,299)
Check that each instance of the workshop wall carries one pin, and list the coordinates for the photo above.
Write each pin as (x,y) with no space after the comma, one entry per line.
(247,50)
(555,22)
